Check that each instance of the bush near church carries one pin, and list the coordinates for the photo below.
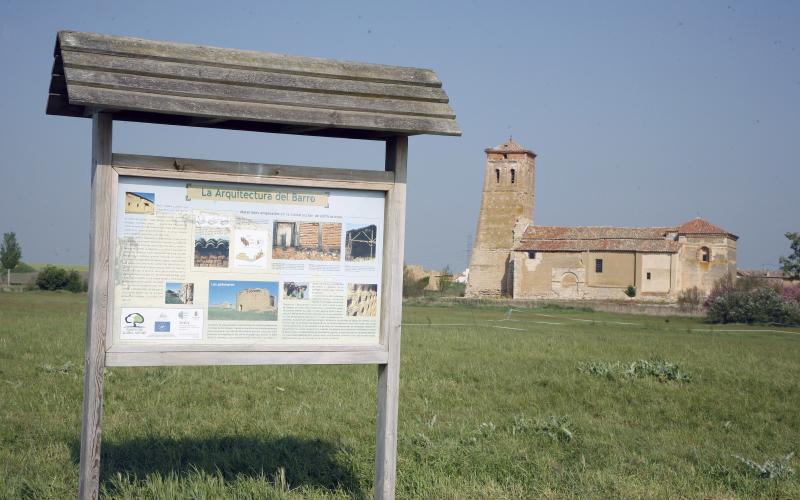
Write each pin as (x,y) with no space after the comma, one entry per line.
(57,278)
(750,300)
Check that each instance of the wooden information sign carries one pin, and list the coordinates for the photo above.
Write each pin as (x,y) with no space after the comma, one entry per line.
(198,262)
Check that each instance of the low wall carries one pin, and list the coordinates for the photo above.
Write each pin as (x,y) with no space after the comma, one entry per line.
(631,307)
(29,279)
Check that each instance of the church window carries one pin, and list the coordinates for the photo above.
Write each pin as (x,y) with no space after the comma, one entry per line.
(598,265)
(704,254)
(505,156)
(513,176)
(531,254)
(497,174)
(648,275)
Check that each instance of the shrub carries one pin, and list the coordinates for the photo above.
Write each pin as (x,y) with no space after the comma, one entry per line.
(52,278)
(57,278)
(74,283)
(729,283)
(792,294)
(630,291)
(690,299)
(762,305)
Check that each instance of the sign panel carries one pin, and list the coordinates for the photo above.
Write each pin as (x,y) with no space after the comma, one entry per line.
(210,263)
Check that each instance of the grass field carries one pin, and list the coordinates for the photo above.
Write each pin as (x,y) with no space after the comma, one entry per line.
(477,395)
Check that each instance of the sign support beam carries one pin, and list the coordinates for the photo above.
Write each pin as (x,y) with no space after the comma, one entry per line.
(392,300)
(97,316)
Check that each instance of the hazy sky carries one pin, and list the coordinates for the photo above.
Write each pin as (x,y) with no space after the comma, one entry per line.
(642,113)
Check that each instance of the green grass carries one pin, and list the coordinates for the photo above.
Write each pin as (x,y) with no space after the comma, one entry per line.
(489,408)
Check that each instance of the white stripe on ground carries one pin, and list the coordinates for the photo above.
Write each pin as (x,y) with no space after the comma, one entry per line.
(509,328)
(587,320)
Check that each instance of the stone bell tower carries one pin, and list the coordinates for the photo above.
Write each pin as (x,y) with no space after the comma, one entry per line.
(507,203)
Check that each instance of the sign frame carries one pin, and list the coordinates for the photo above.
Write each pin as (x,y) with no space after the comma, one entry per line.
(255,353)
(105,171)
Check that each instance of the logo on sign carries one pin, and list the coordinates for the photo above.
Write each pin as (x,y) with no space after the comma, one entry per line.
(162,326)
(134,319)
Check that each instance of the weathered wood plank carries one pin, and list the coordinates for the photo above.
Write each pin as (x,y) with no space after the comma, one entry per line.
(93,42)
(253,173)
(391,318)
(115,99)
(264,95)
(97,317)
(210,73)
(112,251)
(244,358)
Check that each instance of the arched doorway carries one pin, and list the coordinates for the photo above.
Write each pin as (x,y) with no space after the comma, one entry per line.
(569,285)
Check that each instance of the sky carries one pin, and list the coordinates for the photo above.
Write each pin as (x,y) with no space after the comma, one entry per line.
(641,113)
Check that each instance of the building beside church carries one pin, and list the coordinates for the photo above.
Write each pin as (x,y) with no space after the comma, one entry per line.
(513,257)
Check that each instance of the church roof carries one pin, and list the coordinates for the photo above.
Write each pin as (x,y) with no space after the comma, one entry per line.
(595,232)
(597,238)
(702,226)
(602,245)
(510,147)
(612,239)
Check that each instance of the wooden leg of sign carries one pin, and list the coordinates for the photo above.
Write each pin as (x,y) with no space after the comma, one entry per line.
(391,317)
(96,321)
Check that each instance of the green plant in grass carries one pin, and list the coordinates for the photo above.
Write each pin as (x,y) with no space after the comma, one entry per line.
(770,469)
(557,428)
(661,370)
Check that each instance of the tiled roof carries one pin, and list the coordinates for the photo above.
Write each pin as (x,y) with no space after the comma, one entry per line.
(597,238)
(702,226)
(510,147)
(595,232)
(602,245)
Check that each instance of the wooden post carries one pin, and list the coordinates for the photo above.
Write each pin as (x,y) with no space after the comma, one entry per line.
(392,301)
(97,317)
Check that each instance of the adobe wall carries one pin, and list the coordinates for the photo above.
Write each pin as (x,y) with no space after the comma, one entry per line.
(308,234)
(695,272)
(502,203)
(331,235)
(659,265)
(618,269)
(571,275)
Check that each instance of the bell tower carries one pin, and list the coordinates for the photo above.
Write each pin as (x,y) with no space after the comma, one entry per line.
(507,203)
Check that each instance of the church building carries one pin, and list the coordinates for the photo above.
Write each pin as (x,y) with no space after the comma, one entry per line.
(513,257)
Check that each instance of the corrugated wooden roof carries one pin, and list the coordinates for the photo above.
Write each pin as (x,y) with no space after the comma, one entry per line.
(181,84)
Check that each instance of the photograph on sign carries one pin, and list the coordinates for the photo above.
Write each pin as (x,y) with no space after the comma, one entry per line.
(210,263)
